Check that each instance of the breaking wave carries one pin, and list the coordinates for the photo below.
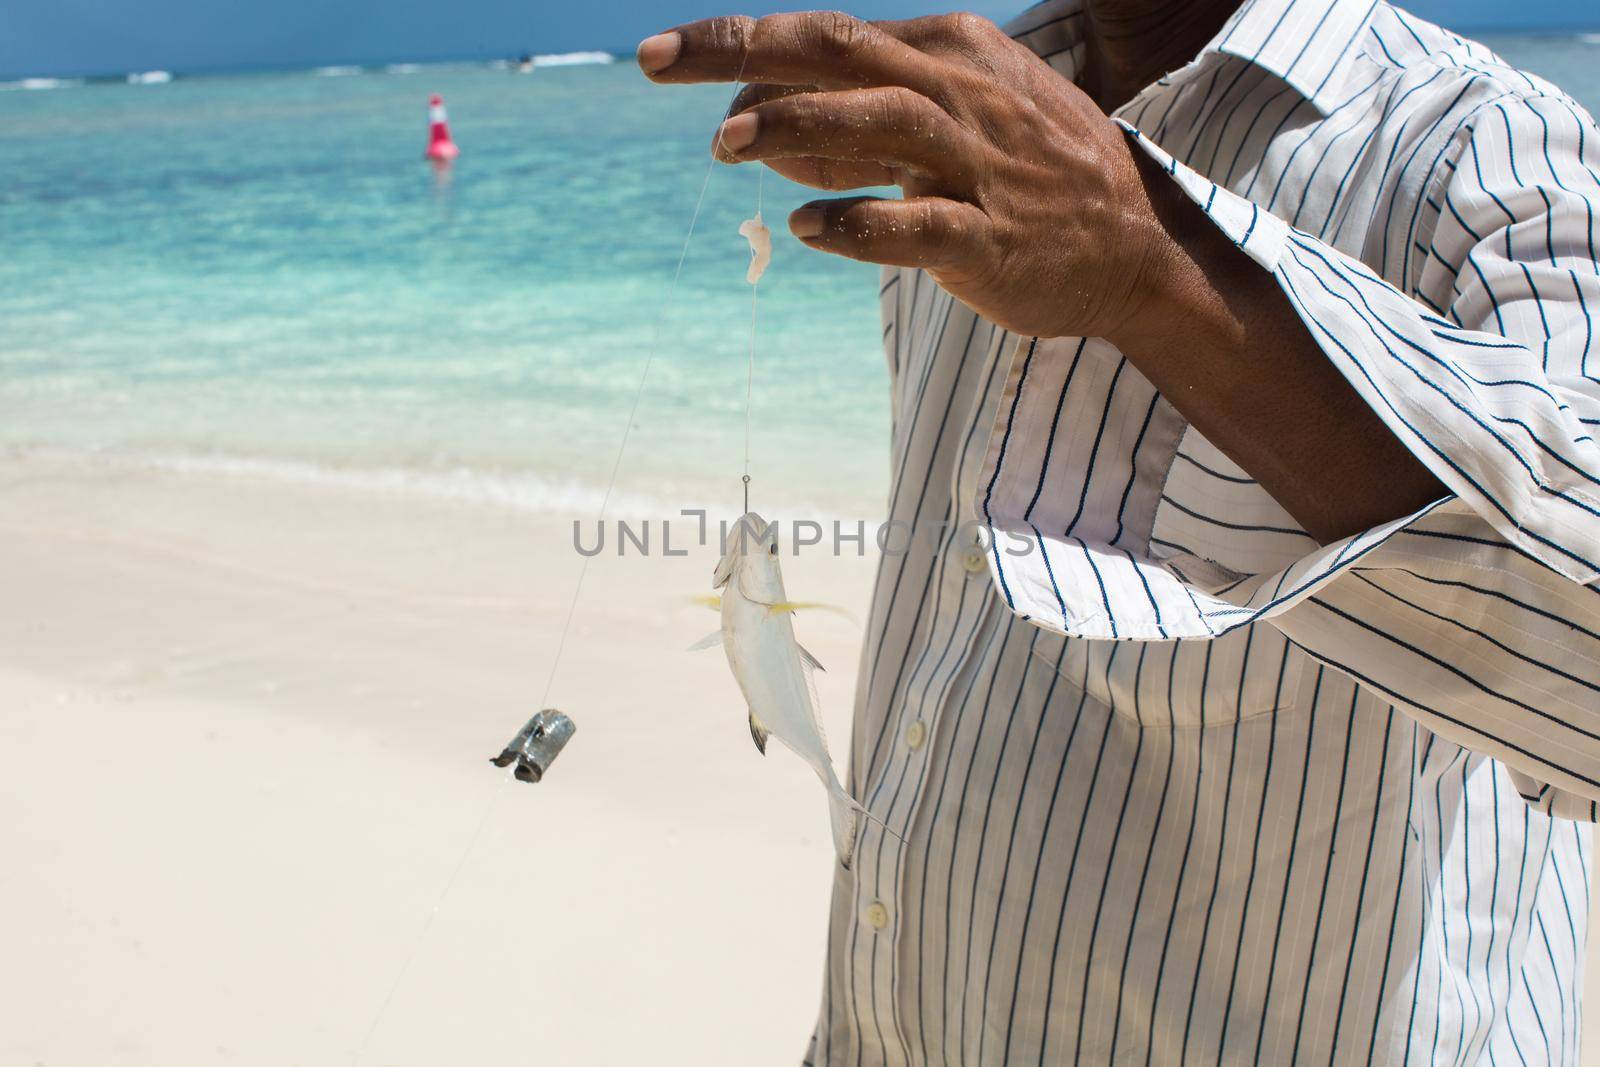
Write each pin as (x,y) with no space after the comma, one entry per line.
(41,83)
(509,489)
(573,59)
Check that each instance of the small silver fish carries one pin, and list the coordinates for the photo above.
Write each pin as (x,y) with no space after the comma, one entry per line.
(537,744)
(773,671)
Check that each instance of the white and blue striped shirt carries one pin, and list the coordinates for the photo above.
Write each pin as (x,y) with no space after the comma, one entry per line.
(1179,784)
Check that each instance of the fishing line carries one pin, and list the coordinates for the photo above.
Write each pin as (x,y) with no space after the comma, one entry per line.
(638,393)
(750,366)
(583,568)
(427,925)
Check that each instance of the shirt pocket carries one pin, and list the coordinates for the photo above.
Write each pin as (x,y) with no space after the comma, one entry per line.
(1251,671)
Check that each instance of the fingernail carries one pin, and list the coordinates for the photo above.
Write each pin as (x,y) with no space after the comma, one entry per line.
(739,132)
(658,53)
(807,222)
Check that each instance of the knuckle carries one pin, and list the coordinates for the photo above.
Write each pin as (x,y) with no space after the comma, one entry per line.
(839,35)
(968,28)
(804,115)
(858,223)
(784,118)
(944,232)
(730,33)
(757,26)
(898,105)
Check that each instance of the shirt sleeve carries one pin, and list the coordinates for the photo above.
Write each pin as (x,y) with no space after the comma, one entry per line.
(1478,614)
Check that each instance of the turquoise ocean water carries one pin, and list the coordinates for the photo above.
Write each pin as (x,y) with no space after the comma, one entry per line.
(259,272)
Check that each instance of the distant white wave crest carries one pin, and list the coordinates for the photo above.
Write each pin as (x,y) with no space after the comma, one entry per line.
(513,490)
(555,59)
(1589,38)
(573,59)
(149,77)
(41,83)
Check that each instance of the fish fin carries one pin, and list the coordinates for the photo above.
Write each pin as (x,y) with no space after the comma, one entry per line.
(789,607)
(808,659)
(845,814)
(759,734)
(809,671)
(709,600)
(879,823)
(845,822)
(710,640)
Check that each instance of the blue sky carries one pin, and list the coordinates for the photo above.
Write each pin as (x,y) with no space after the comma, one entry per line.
(42,37)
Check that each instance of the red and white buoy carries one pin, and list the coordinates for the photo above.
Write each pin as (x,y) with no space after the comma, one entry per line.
(441,149)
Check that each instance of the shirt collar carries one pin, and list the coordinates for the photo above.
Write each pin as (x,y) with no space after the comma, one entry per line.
(1307,43)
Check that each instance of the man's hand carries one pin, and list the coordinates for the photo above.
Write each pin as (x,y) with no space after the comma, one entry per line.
(1020,197)
(1032,208)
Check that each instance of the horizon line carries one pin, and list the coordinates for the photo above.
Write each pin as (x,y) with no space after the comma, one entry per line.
(374,66)
(378,65)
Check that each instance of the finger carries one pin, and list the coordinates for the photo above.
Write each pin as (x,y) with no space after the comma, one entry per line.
(892,126)
(834,175)
(822,48)
(925,231)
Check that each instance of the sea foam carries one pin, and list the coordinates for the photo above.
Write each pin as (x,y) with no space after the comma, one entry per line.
(41,83)
(510,489)
(502,489)
(573,59)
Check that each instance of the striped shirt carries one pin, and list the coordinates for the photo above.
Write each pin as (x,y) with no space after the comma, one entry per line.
(1177,784)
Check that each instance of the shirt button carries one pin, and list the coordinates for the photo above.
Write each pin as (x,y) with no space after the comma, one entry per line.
(972,558)
(916,733)
(877,915)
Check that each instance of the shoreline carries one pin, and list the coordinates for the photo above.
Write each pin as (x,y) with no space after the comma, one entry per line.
(516,490)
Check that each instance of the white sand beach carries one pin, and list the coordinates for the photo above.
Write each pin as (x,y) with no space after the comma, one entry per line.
(243,736)
(244,730)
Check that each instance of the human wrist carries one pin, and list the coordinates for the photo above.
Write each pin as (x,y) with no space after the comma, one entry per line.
(1185,268)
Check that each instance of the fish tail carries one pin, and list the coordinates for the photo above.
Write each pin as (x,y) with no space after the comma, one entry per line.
(845,816)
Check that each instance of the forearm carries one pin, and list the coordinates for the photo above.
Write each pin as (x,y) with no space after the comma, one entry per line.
(1220,340)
